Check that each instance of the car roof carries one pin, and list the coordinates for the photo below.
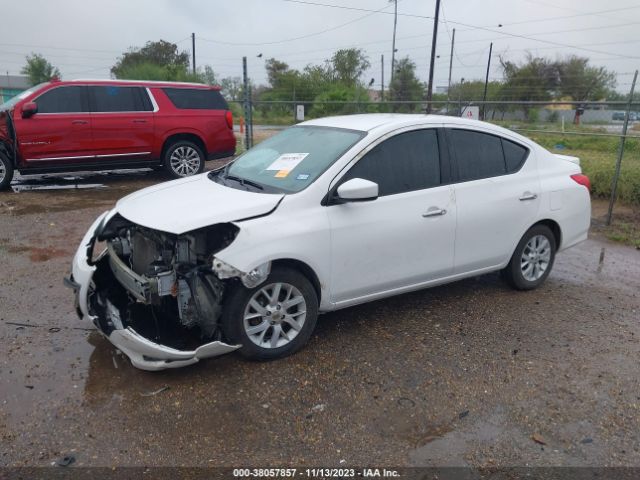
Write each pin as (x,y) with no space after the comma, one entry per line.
(147,83)
(390,121)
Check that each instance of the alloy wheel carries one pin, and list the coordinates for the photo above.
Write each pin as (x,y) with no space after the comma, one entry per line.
(535,259)
(185,161)
(274,315)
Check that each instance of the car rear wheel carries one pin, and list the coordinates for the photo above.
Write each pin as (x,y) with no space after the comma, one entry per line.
(532,260)
(6,172)
(274,319)
(183,159)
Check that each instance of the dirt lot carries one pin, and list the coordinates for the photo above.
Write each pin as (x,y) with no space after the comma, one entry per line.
(471,373)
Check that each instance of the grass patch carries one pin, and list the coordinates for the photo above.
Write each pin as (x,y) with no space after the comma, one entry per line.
(625,232)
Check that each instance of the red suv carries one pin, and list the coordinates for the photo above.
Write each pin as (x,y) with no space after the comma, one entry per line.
(101,125)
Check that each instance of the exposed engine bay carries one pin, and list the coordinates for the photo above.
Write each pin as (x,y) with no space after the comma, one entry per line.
(168,288)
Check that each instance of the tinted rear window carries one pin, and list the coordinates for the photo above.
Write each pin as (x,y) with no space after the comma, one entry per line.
(194,98)
(112,98)
(514,155)
(478,155)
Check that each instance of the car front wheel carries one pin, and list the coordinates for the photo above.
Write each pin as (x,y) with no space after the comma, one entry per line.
(6,172)
(183,159)
(274,319)
(532,260)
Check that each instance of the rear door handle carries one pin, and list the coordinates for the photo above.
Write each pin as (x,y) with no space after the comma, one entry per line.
(79,122)
(528,196)
(434,212)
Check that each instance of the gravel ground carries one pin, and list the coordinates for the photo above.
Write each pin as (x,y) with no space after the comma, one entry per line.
(470,373)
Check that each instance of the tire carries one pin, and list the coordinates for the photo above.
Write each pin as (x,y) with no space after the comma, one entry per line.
(183,159)
(532,259)
(6,172)
(260,344)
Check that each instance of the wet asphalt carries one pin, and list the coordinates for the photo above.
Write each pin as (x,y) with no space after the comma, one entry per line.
(470,373)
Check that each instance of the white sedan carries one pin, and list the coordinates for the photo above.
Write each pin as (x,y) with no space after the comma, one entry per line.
(327,214)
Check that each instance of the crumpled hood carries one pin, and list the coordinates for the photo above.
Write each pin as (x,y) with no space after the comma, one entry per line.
(183,205)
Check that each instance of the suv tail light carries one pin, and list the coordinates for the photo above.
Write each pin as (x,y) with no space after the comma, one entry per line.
(229,118)
(582,180)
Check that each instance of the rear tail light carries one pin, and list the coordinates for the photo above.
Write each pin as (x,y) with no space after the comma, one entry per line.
(229,118)
(582,180)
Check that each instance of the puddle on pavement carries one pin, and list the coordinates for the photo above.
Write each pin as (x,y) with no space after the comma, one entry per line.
(69,367)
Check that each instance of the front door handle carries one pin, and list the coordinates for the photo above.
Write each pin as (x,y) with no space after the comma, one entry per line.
(139,121)
(79,122)
(528,196)
(434,212)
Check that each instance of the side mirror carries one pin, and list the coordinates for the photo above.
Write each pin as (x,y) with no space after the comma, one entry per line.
(357,190)
(29,109)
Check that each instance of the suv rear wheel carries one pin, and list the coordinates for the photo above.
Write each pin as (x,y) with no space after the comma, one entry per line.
(6,171)
(183,159)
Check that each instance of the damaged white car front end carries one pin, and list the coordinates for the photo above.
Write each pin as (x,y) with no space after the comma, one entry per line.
(157,295)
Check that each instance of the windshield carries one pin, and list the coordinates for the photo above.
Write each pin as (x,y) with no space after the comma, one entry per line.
(291,160)
(9,104)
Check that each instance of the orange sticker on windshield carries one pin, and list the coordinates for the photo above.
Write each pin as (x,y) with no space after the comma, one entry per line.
(282,174)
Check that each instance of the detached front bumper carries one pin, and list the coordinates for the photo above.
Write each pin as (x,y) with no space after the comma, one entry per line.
(143,353)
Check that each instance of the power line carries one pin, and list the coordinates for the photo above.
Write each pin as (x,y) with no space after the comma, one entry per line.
(259,44)
(509,34)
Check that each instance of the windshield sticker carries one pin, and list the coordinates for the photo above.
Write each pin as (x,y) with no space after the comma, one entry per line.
(302,176)
(287,161)
(282,174)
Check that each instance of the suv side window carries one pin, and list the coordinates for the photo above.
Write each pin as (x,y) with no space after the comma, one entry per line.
(196,98)
(478,155)
(406,162)
(65,99)
(113,98)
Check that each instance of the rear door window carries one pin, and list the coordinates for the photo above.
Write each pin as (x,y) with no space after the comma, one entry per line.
(71,99)
(113,98)
(478,155)
(196,98)
(403,163)
(514,155)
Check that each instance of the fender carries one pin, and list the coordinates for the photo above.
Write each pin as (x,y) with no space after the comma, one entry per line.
(181,131)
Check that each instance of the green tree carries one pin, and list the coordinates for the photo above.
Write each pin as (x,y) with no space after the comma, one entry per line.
(583,82)
(276,70)
(38,69)
(406,86)
(347,66)
(174,65)
(232,88)
(207,75)
(535,79)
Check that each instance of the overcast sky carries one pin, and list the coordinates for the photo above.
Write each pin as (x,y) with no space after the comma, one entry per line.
(84,37)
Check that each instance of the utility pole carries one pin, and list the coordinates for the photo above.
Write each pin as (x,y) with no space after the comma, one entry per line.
(382,79)
(433,56)
(247,105)
(486,83)
(453,39)
(393,44)
(193,51)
